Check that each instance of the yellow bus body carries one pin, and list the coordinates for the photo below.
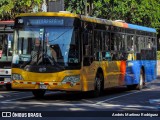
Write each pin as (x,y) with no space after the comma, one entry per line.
(54,81)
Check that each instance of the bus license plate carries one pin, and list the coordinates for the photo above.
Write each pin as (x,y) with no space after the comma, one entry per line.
(43,86)
(7,79)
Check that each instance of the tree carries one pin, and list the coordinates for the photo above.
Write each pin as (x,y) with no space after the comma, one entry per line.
(9,8)
(141,12)
(74,6)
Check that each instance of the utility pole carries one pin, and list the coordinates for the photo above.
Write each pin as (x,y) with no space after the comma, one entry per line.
(44,6)
(85,9)
(88,4)
(90,7)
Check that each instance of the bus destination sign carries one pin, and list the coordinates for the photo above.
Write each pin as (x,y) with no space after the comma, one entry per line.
(46,21)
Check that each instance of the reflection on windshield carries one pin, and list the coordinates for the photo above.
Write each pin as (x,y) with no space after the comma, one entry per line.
(40,46)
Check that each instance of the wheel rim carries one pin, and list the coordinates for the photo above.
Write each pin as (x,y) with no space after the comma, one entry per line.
(141,80)
(98,84)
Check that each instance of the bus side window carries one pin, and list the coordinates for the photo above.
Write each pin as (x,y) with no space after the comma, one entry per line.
(106,41)
(107,56)
(137,44)
(112,42)
(87,45)
(130,45)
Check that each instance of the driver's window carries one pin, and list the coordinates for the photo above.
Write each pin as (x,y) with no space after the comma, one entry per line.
(73,55)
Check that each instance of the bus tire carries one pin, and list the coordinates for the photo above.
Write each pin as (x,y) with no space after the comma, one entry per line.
(38,93)
(141,81)
(99,85)
(8,87)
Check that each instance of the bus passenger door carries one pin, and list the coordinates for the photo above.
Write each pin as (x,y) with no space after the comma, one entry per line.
(113,73)
(88,69)
(116,64)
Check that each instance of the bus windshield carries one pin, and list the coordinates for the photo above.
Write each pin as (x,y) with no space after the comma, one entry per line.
(46,46)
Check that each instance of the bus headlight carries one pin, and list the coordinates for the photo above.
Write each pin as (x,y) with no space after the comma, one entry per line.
(17,77)
(71,79)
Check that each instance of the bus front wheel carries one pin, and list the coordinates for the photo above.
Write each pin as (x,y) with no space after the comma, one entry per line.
(38,93)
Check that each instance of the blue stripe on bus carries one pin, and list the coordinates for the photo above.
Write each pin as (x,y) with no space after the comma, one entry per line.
(137,27)
(133,72)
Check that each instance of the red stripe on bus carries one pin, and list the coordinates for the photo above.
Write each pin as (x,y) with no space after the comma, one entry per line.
(46,83)
(68,82)
(55,84)
(38,83)
(77,83)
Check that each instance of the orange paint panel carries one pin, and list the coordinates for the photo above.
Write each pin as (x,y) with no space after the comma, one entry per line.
(125,25)
(123,72)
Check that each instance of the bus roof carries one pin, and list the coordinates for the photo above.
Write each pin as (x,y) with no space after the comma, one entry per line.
(132,26)
(90,19)
(117,23)
(49,14)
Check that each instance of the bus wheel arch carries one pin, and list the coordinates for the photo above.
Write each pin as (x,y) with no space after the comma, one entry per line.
(141,83)
(98,83)
(141,79)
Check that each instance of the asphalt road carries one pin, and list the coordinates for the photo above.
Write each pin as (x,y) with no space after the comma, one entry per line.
(118,99)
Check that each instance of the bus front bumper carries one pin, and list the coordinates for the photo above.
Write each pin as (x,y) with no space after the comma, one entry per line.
(5,80)
(68,86)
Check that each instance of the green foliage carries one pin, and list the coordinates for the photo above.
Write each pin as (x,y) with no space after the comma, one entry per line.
(74,6)
(9,8)
(141,12)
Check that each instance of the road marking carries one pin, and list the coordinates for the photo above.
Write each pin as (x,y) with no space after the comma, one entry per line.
(88,101)
(100,102)
(92,102)
(154,101)
(117,97)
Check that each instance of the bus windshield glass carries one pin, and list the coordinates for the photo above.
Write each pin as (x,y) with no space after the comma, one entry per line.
(46,46)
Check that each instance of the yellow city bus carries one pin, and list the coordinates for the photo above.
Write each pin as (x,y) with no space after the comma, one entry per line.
(70,52)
